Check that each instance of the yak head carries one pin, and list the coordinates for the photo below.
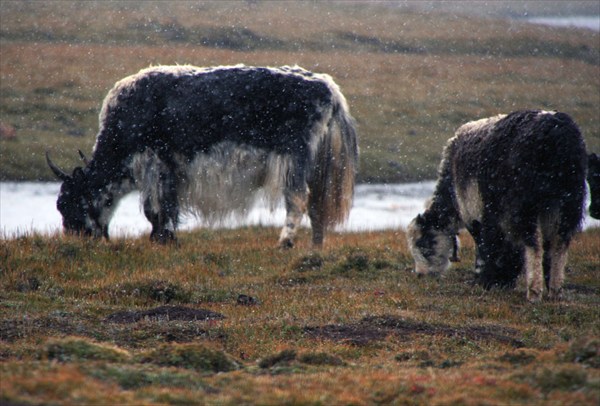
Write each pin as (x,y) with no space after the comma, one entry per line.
(81,207)
(431,247)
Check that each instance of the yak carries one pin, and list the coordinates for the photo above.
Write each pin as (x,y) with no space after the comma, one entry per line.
(593,179)
(209,141)
(516,182)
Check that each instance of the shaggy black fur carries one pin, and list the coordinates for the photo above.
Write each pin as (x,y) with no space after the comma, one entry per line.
(180,113)
(187,114)
(530,169)
(593,178)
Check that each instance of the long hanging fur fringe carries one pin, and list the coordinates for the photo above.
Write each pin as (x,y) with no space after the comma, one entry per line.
(335,165)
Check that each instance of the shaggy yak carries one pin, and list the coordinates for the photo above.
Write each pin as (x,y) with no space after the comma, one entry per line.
(517,183)
(206,141)
(593,178)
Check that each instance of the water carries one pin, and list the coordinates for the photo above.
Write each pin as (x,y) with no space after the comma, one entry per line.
(27,207)
(589,22)
(31,207)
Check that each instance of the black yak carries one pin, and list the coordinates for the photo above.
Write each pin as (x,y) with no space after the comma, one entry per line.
(516,182)
(593,178)
(207,140)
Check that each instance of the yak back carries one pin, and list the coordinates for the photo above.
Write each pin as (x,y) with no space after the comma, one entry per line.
(525,163)
(187,110)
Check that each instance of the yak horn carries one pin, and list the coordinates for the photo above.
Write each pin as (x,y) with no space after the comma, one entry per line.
(83,158)
(62,175)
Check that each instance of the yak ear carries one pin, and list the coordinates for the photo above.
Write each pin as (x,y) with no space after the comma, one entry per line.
(419,219)
(60,174)
(83,158)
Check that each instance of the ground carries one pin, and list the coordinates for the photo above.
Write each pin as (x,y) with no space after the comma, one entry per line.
(225,317)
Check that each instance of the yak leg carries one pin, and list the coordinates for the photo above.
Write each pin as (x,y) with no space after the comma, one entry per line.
(163,227)
(558,229)
(547,262)
(317,225)
(152,216)
(295,206)
(555,260)
(534,274)
(162,210)
(475,230)
(498,260)
(296,201)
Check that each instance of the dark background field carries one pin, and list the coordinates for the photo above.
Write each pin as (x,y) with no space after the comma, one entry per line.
(412,71)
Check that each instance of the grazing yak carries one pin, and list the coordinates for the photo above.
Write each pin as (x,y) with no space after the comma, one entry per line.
(517,183)
(208,141)
(593,178)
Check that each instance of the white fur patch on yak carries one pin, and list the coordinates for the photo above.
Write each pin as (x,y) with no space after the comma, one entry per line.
(225,181)
(469,202)
(478,125)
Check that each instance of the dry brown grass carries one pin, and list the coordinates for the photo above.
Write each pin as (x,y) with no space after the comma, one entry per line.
(355,324)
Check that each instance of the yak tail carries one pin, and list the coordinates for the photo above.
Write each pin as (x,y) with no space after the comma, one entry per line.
(335,163)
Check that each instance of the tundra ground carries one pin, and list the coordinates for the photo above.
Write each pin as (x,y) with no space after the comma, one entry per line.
(226,318)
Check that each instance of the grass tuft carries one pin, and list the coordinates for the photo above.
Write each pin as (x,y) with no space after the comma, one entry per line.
(562,379)
(190,356)
(584,350)
(134,377)
(320,358)
(283,357)
(519,357)
(312,262)
(154,291)
(73,349)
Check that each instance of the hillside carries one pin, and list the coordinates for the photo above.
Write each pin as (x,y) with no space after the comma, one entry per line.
(411,76)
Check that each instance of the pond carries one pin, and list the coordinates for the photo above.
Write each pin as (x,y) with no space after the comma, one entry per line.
(589,22)
(27,207)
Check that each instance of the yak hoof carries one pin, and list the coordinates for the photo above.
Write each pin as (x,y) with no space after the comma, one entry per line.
(555,294)
(534,296)
(163,237)
(286,244)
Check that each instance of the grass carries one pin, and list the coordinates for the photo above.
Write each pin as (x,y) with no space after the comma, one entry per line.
(408,85)
(349,324)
